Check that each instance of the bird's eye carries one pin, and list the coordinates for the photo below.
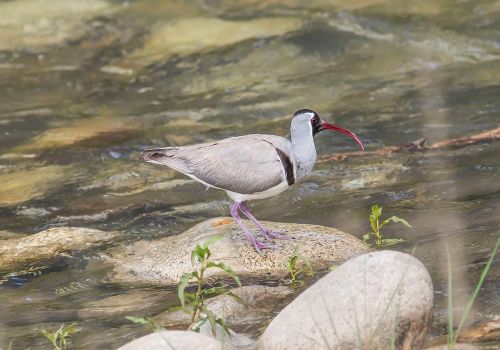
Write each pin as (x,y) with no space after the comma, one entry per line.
(314,120)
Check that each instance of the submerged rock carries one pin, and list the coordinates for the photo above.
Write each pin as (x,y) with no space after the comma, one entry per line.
(50,244)
(257,303)
(174,340)
(165,260)
(199,34)
(106,129)
(28,24)
(137,303)
(21,186)
(370,302)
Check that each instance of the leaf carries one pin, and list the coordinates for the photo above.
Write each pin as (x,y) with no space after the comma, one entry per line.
(148,321)
(226,269)
(332,267)
(198,254)
(307,267)
(373,223)
(224,326)
(391,241)
(183,283)
(197,326)
(366,237)
(59,338)
(291,263)
(396,219)
(213,291)
(70,329)
(235,296)
(211,319)
(201,252)
(376,211)
(48,335)
(138,320)
(211,240)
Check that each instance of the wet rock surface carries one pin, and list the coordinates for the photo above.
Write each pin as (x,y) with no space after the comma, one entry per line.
(257,304)
(27,184)
(103,128)
(30,23)
(165,260)
(201,34)
(50,244)
(136,303)
(371,301)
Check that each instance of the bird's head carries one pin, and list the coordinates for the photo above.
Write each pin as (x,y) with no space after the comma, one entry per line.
(307,118)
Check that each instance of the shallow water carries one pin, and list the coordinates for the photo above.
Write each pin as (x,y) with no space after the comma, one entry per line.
(83,92)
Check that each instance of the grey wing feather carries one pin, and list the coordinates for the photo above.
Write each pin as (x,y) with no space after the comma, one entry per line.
(245,164)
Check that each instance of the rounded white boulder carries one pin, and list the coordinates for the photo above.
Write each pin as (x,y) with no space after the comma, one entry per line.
(379,300)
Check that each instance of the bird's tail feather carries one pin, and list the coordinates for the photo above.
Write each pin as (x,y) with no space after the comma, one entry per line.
(166,156)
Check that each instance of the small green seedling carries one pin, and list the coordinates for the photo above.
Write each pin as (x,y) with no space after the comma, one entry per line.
(149,322)
(193,303)
(377,225)
(60,338)
(298,266)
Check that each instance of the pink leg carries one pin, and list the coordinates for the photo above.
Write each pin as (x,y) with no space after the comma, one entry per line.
(265,231)
(236,216)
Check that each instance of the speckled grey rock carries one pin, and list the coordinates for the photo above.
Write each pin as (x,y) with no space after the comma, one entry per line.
(365,303)
(256,305)
(50,244)
(163,261)
(175,340)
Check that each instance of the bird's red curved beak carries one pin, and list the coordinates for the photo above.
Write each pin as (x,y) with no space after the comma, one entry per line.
(352,135)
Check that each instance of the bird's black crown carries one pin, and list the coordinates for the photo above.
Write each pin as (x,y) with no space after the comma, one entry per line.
(303,111)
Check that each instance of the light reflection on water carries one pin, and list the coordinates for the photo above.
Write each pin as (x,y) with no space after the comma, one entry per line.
(78,108)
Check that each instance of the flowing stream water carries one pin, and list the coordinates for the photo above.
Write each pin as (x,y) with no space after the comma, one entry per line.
(87,85)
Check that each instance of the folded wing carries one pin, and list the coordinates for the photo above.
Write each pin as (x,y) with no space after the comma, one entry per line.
(245,164)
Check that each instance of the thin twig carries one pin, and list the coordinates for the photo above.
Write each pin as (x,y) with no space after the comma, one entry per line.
(419,145)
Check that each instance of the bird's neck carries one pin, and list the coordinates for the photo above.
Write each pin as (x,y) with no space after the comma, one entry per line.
(304,152)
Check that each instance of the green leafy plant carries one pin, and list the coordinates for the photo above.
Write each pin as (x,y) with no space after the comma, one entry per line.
(298,266)
(149,322)
(452,333)
(61,337)
(376,224)
(193,303)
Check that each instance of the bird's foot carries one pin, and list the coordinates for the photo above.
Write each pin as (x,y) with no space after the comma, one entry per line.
(269,235)
(259,246)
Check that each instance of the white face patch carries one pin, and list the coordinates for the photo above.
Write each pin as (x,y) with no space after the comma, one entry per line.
(310,127)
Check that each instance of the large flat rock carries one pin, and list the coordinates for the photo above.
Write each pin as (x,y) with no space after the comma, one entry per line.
(164,261)
(50,244)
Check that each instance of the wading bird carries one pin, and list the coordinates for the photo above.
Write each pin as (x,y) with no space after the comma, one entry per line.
(252,166)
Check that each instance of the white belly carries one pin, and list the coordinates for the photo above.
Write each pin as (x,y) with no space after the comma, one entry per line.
(273,191)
